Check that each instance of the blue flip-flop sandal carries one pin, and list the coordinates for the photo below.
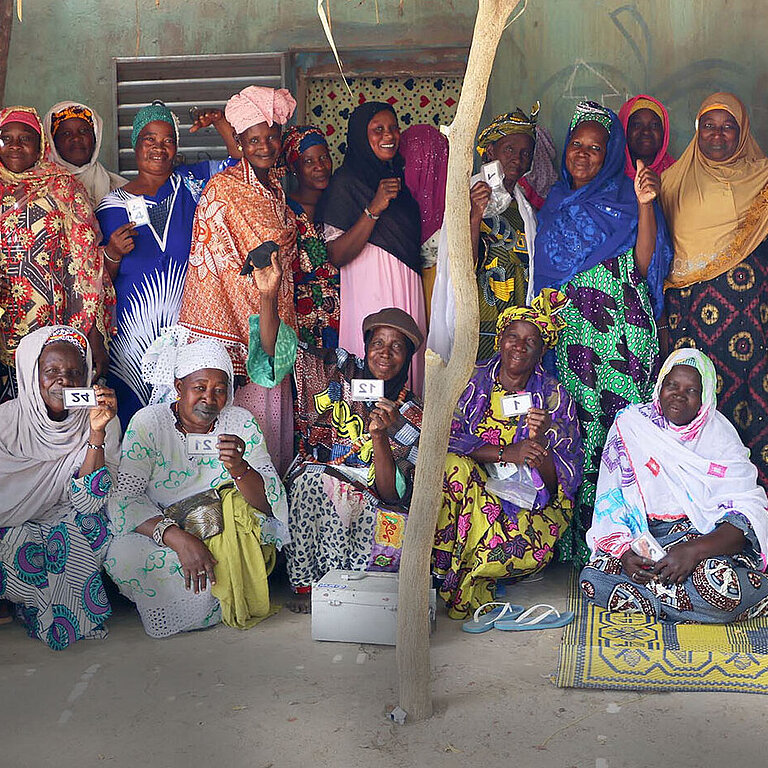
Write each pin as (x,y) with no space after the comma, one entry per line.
(482,622)
(549,618)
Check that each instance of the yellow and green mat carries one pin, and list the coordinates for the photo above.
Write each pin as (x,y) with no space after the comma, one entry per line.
(623,651)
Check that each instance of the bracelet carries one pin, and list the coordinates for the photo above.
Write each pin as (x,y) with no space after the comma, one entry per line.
(238,478)
(95,447)
(160,529)
(109,258)
(662,327)
(501,451)
(370,215)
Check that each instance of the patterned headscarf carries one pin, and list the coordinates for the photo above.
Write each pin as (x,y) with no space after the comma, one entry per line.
(154,111)
(65,334)
(698,360)
(170,357)
(71,110)
(543,313)
(298,139)
(504,125)
(591,111)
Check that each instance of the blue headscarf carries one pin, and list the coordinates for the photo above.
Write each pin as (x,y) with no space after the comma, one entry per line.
(579,228)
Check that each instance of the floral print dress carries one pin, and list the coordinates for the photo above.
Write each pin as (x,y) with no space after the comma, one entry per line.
(481,538)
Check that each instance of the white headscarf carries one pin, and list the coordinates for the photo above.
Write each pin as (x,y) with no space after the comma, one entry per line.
(96,179)
(40,456)
(170,357)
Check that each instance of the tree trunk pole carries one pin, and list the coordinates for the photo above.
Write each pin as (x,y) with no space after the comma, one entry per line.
(6,22)
(444,383)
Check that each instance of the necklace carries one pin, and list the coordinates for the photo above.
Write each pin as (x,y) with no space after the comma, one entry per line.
(355,447)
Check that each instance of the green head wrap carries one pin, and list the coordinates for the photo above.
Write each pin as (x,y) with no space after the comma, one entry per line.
(154,111)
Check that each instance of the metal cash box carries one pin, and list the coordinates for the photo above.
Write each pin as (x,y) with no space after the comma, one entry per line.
(359,607)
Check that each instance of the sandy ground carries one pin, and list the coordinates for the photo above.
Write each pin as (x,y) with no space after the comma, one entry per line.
(273,698)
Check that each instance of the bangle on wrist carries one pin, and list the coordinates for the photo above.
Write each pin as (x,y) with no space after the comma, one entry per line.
(94,447)
(160,529)
(109,258)
(662,327)
(501,452)
(370,215)
(239,477)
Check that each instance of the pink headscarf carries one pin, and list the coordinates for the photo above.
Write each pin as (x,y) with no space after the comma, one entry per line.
(21,116)
(663,158)
(425,151)
(257,104)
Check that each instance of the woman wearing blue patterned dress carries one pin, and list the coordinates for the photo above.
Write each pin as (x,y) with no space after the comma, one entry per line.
(56,468)
(148,261)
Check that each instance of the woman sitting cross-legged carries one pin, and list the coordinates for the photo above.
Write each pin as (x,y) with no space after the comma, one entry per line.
(512,473)
(163,568)
(350,487)
(675,467)
(56,469)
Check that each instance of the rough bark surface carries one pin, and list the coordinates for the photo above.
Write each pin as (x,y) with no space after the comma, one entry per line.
(6,22)
(444,382)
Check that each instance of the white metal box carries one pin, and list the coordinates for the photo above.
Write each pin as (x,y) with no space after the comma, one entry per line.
(359,607)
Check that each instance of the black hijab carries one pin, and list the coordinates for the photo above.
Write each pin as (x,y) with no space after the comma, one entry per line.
(354,184)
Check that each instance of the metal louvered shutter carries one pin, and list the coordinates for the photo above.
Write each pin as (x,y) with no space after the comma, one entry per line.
(183,82)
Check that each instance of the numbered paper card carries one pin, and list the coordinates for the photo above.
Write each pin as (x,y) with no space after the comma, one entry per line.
(137,211)
(367,390)
(202,445)
(79,398)
(492,174)
(516,405)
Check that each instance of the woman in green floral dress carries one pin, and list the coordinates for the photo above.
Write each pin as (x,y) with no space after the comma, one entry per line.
(603,243)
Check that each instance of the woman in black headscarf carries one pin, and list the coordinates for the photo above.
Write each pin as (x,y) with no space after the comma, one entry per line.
(373,229)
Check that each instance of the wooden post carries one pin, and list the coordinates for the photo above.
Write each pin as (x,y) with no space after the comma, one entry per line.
(6,21)
(444,383)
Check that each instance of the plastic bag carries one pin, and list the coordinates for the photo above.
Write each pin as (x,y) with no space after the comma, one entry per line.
(512,483)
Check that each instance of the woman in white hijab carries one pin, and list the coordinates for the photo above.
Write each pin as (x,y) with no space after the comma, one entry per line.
(181,580)
(56,469)
(73,134)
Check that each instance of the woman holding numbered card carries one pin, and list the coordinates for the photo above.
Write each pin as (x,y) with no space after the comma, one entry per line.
(511,475)
(56,469)
(189,440)
(147,232)
(373,229)
(359,427)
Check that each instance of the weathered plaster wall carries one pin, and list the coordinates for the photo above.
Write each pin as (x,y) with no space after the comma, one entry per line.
(559,51)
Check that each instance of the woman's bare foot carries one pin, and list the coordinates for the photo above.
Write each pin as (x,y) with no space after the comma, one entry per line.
(300,603)
(6,615)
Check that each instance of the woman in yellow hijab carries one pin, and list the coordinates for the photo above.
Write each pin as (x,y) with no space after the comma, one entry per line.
(715,199)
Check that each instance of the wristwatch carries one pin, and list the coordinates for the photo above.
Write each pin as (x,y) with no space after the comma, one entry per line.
(160,529)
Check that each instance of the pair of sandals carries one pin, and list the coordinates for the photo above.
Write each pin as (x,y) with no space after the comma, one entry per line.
(515,618)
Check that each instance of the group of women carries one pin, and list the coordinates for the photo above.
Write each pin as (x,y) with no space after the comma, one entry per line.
(225,319)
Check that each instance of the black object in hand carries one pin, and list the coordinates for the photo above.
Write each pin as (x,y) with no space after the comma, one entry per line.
(259,257)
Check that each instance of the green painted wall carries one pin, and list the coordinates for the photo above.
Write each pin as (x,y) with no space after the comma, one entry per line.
(559,51)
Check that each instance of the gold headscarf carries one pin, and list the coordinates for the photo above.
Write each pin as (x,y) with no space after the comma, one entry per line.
(543,313)
(717,211)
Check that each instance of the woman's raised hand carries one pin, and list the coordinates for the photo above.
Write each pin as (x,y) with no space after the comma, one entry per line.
(121,241)
(268,279)
(206,117)
(388,190)
(105,410)
(479,196)
(647,184)
(383,416)
(538,421)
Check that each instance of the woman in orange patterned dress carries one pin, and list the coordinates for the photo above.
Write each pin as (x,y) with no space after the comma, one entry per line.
(240,209)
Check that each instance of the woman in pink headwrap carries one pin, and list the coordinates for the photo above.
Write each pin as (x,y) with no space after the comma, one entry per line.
(646,124)
(240,209)
(425,151)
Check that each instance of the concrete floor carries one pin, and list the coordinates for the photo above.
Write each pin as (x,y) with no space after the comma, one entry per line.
(273,698)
